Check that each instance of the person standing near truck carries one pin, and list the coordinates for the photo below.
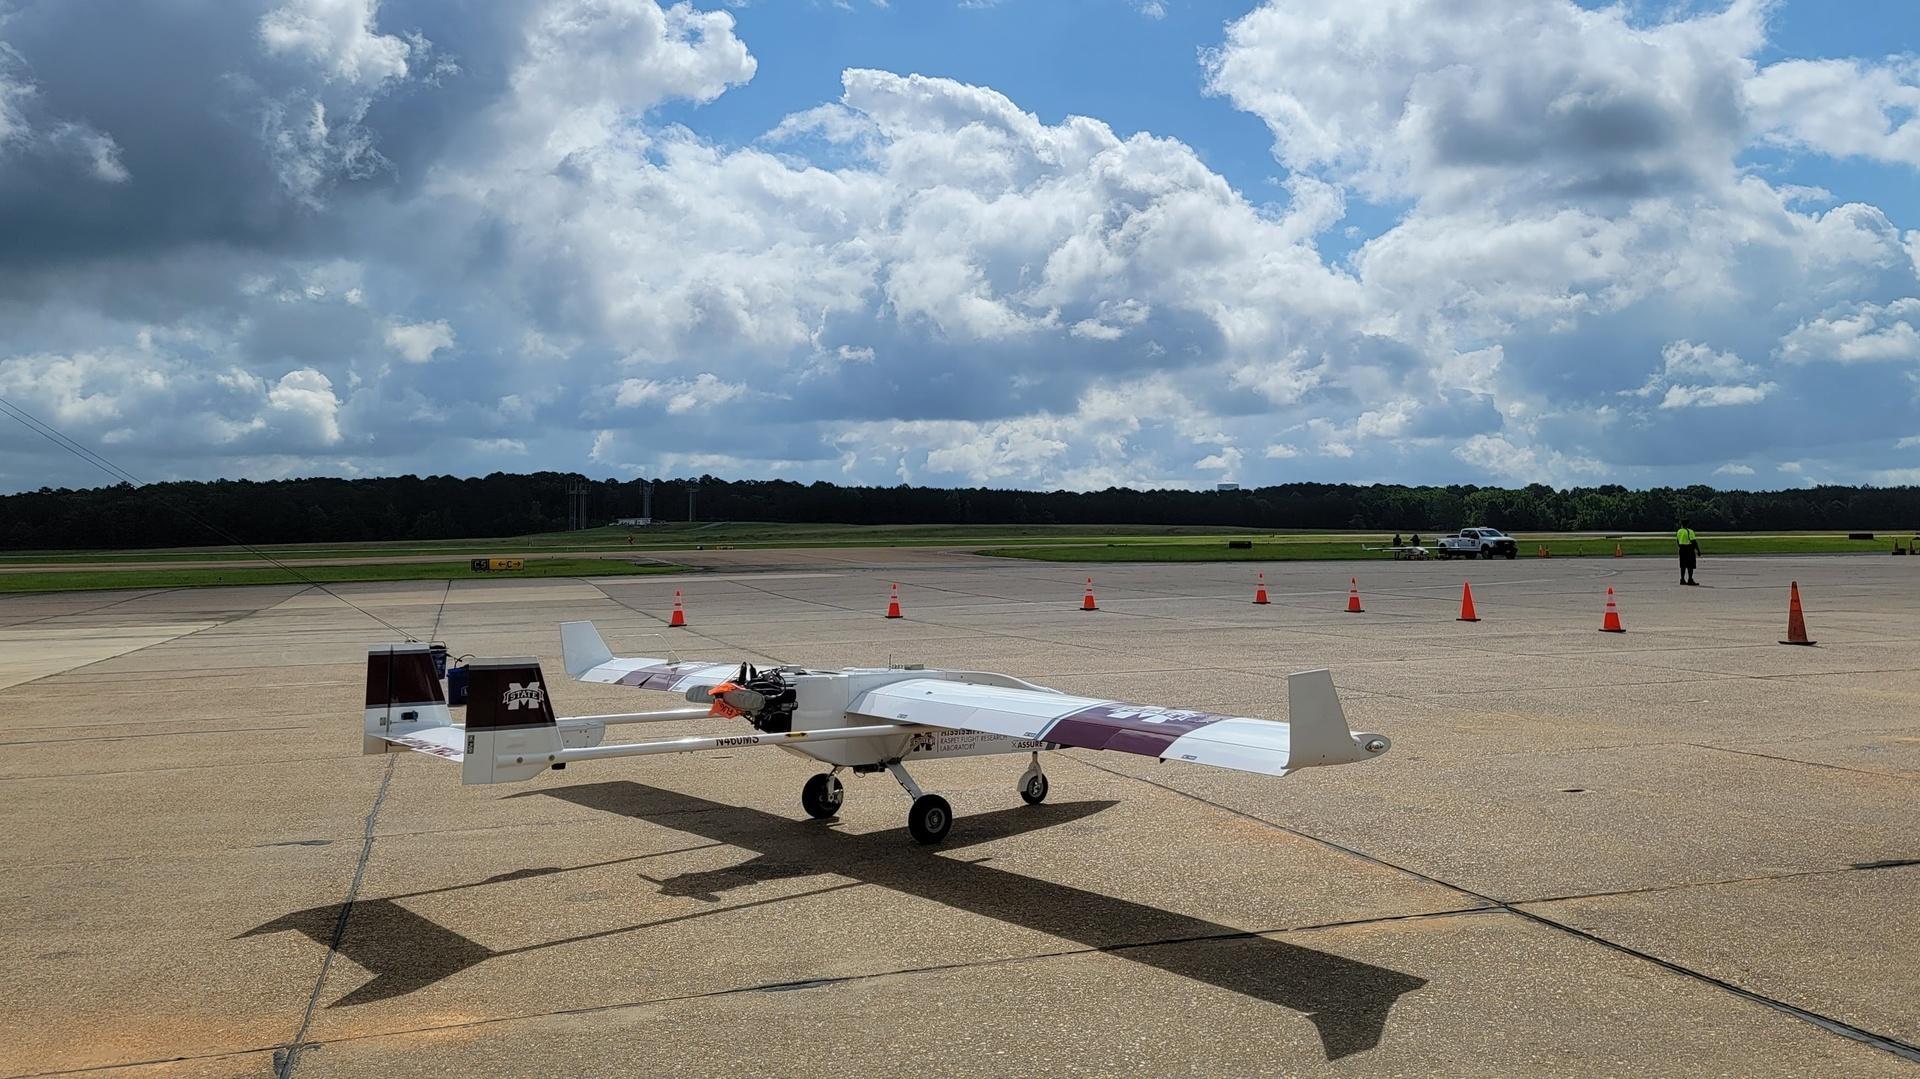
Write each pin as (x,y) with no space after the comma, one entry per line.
(1689,541)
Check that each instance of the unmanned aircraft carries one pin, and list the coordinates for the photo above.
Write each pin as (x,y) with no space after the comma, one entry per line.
(864,720)
(1405,553)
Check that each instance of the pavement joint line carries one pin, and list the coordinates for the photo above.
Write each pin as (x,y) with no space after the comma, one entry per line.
(945,625)
(145,722)
(215,852)
(808,983)
(1882,1042)
(1841,1028)
(89,610)
(288,1055)
(440,611)
(156,734)
(174,768)
(561,823)
(1897,776)
(94,1069)
(662,622)
(1785,676)
(131,651)
(966,629)
(1862,867)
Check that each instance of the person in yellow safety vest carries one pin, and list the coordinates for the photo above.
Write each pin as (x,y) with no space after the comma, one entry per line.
(1689,541)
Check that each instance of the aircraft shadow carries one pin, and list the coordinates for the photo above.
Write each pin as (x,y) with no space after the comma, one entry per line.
(1346,1000)
(405,951)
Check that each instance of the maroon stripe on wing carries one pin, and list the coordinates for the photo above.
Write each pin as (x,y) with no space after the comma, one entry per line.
(1127,728)
(659,676)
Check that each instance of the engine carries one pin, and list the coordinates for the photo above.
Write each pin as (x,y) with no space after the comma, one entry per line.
(765,699)
(776,716)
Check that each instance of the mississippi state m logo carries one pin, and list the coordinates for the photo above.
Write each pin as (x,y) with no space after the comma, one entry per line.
(523,695)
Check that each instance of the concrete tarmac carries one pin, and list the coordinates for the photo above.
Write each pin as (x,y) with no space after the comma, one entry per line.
(1682,850)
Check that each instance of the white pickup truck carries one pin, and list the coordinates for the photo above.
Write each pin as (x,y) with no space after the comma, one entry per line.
(1479,542)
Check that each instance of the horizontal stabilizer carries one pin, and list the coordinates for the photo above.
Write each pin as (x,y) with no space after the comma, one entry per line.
(447,743)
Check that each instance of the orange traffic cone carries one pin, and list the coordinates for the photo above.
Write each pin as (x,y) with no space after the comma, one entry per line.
(1543,551)
(893,602)
(1611,623)
(679,616)
(1353,595)
(1087,604)
(1796,620)
(1466,603)
(1260,592)
(1617,552)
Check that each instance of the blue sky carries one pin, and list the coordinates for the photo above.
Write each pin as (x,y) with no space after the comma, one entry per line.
(1027,243)
(1102,58)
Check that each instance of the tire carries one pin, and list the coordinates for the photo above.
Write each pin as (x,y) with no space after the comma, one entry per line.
(822,795)
(930,818)
(1513,554)
(1034,791)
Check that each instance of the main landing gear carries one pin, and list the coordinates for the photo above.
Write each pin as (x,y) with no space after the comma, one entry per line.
(930,817)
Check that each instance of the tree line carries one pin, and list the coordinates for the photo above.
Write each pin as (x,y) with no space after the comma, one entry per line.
(450,507)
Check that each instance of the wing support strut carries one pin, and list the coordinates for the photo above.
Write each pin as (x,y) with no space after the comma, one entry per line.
(702,744)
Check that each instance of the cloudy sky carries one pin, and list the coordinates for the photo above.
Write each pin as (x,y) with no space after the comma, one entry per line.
(1012,242)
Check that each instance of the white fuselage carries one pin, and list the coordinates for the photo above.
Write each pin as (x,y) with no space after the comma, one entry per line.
(822,700)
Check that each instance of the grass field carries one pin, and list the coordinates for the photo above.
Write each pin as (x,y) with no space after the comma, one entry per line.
(258,573)
(547,553)
(1312,548)
(660,537)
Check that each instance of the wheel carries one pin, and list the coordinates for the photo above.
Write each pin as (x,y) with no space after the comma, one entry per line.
(822,795)
(1034,790)
(1486,552)
(1513,554)
(930,818)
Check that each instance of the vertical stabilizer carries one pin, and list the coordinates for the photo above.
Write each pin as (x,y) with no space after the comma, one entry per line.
(1317,725)
(582,648)
(511,734)
(403,696)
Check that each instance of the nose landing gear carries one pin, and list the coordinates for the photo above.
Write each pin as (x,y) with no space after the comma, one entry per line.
(1033,783)
(822,795)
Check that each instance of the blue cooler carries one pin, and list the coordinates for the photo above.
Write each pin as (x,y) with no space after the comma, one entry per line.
(456,686)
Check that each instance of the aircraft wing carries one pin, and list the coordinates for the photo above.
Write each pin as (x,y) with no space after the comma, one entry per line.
(589,660)
(1315,732)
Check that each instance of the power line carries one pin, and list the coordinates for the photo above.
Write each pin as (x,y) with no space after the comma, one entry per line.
(54,435)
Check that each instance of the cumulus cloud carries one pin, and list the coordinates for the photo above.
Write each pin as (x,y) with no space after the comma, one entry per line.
(678,396)
(1844,108)
(339,36)
(1868,333)
(416,342)
(160,405)
(1714,396)
(1458,101)
(27,130)
(1561,267)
